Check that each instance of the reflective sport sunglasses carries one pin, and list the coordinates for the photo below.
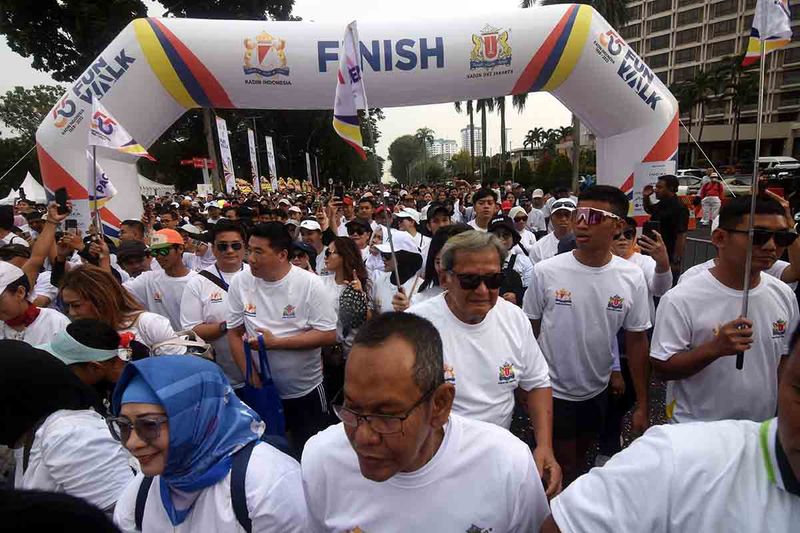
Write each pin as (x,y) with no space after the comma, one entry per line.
(470,282)
(163,252)
(223,246)
(628,234)
(591,216)
(147,427)
(761,237)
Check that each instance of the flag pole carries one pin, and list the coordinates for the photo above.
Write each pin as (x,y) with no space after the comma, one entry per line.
(748,263)
(387,219)
(95,210)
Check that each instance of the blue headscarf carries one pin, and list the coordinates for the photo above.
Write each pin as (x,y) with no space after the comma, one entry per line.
(207,422)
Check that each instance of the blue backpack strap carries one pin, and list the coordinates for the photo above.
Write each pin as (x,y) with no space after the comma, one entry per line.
(141,500)
(238,494)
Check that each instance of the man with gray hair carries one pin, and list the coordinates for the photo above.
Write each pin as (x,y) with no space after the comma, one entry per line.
(400,460)
(489,348)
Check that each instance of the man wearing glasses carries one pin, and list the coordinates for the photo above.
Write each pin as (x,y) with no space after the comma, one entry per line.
(698,323)
(489,349)
(161,291)
(560,219)
(577,303)
(204,305)
(400,460)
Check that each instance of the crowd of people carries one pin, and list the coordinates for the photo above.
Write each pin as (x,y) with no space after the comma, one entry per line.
(436,358)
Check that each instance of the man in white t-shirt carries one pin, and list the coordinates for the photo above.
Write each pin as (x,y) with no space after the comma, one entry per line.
(401,461)
(484,203)
(698,324)
(204,304)
(536,220)
(577,303)
(489,349)
(560,219)
(311,234)
(161,291)
(294,313)
(731,475)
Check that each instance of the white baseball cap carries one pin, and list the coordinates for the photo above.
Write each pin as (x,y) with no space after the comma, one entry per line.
(294,209)
(563,203)
(516,210)
(9,274)
(537,193)
(403,242)
(191,228)
(284,201)
(310,225)
(408,213)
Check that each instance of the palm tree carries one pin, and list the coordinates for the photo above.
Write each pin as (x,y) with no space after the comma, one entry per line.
(534,137)
(616,13)
(743,89)
(484,105)
(470,112)
(686,95)
(424,137)
(705,87)
(500,103)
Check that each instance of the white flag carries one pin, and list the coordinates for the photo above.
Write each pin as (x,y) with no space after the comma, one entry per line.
(104,130)
(104,190)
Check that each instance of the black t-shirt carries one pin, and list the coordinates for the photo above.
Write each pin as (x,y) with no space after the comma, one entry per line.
(674,219)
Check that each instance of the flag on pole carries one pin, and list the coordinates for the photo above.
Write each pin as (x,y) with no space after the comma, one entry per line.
(772,25)
(349,93)
(104,190)
(105,131)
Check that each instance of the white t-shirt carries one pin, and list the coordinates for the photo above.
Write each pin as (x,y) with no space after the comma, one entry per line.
(160,293)
(383,290)
(522,265)
(489,360)
(44,288)
(151,329)
(687,477)
(536,220)
(474,225)
(527,239)
(41,331)
(429,293)
(544,248)
(776,270)
(274,491)
(689,316)
(481,478)
(582,308)
(205,302)
(295,304)
(11,238)
(74,453)
(658,283)
(423,243)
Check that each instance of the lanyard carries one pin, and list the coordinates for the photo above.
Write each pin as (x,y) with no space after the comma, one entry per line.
(221,279)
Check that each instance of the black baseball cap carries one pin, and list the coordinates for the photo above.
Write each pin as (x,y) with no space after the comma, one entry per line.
(131,249)
(506,223)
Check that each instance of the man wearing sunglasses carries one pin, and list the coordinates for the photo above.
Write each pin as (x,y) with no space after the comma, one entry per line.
(578,302)
(698,325)
(560,219)
(161,291)
(489,349)
(204,304)
(401,460)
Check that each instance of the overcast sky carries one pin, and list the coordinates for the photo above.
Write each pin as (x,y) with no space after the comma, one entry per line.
(542,109)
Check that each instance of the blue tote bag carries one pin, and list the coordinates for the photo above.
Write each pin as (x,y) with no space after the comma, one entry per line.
(265,401)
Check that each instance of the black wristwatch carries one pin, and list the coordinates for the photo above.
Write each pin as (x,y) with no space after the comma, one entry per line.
(223,327)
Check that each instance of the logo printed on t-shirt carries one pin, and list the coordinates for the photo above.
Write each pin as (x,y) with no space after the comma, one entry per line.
(615,303)
(449,374)
(250,309)
(289,311)
(355,530)
(157,296)
(506,374)
(779,329)
(563,297)
(216,297)
(478,529)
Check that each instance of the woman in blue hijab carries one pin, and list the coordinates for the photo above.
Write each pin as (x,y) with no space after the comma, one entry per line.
(178,416)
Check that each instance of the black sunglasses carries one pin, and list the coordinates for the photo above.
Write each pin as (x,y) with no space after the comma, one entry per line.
(520,219)
(147,427)
(470,282)
(223,246)
(761,237)
(628,234)
(356,233)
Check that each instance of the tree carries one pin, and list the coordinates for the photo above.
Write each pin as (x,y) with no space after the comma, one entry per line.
(743,90)
(500,103)
(424,137)
(11,150)
(403,152)
(534,138)
(524,174)
(461,163)
(706,85)
(63,36)
(560,171)
(22,110)
(686,94)
(470,112)
(484,105)
(234,9)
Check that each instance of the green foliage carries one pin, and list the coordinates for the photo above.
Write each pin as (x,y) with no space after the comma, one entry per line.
(541,174)
(22,110)
(10,152)
(524,173)
(233,9)
(403,152)
(461,163)
(560,171)
(63,36)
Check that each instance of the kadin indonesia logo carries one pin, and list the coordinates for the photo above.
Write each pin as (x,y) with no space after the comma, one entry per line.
(265,60)
(490,49)
(779,329)
(609,45)
(616,303)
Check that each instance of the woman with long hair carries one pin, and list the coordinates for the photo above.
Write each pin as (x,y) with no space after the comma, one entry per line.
(90,292)
(430,286)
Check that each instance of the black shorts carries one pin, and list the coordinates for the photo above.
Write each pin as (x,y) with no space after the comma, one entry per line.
(305,416)
(579,419)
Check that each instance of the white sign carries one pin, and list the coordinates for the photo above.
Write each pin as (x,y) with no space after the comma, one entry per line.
(225,155)
(647,174)
(204,189)
(251,141)
(273,170)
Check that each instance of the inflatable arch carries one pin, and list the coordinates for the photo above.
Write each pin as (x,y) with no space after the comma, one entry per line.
(158,68)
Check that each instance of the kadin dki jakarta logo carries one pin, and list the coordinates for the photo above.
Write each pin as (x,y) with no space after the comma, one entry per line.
(490,49)
(265,58)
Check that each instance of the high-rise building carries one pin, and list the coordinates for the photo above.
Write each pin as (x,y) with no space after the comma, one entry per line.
(465,144)
(680,38)
(446,148)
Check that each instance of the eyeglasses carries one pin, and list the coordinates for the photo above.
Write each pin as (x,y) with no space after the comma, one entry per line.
(381,424)
(147,427)
(470,282)
(627,234)
(591,216)
(223,246)
(520,219)
(329,253)
(761,237)
(163,252)
(356,233)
